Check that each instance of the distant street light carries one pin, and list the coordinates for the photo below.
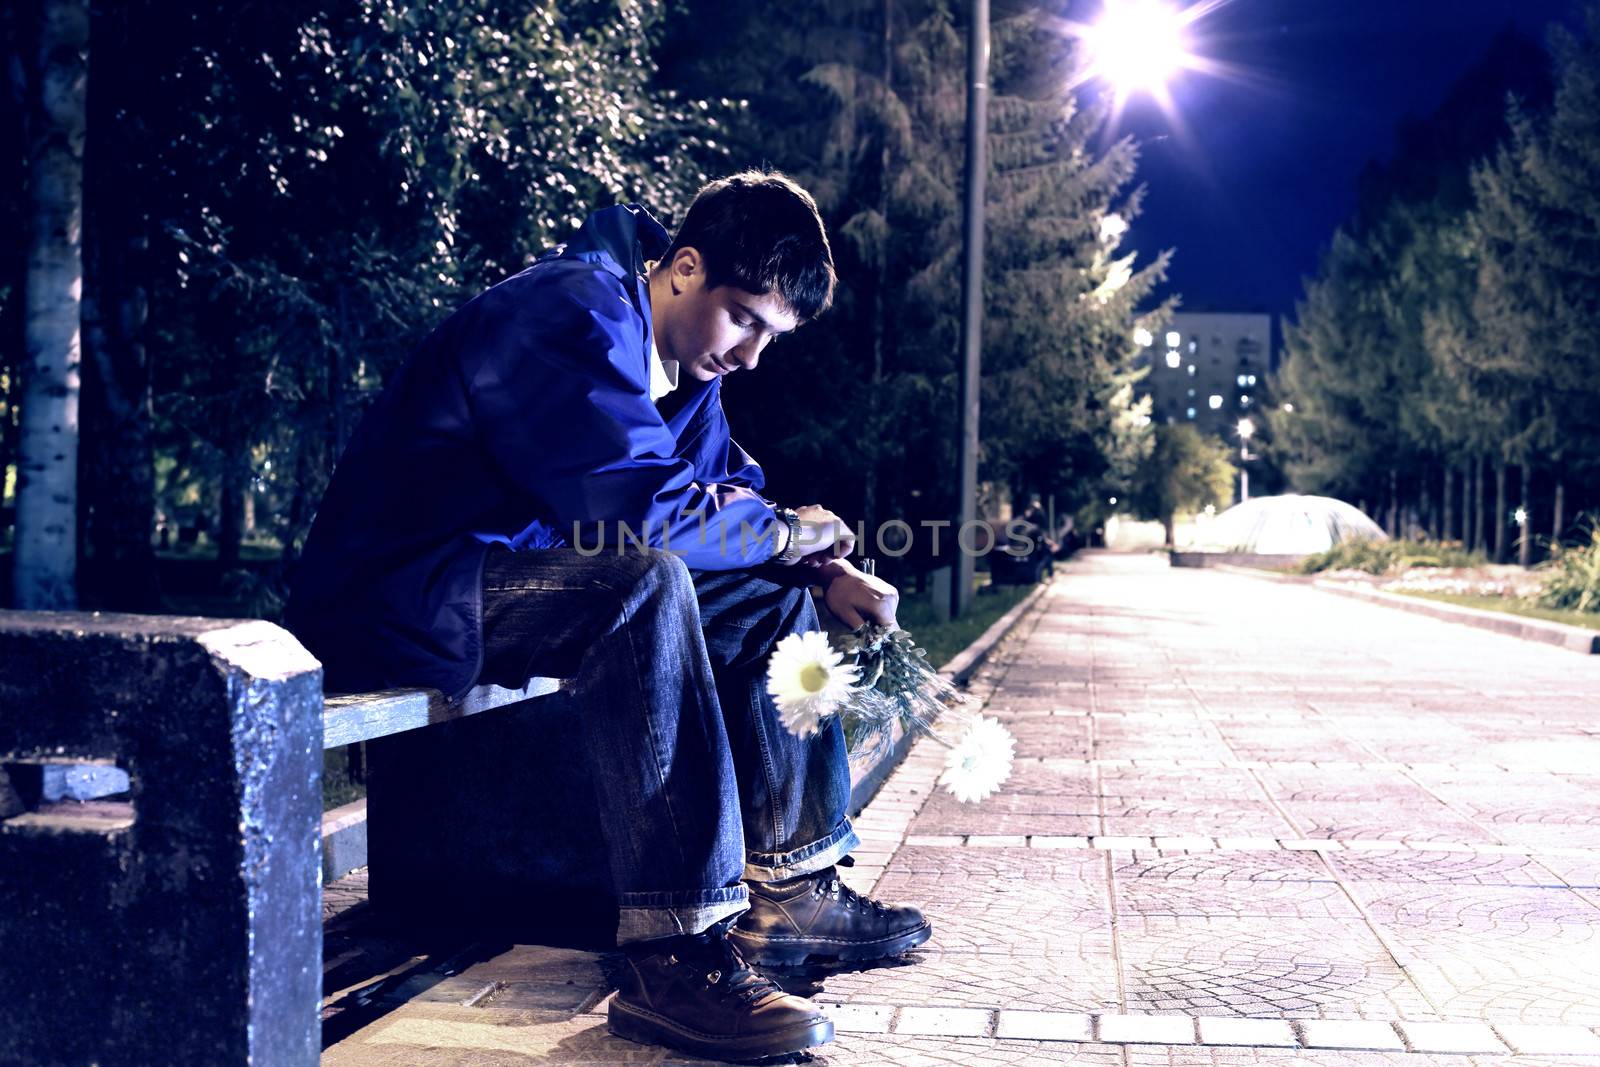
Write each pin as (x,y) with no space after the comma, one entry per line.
(1247,430)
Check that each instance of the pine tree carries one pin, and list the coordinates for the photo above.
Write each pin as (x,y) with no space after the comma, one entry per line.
(862,405)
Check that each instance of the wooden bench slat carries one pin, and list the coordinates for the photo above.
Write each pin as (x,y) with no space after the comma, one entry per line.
(353,717)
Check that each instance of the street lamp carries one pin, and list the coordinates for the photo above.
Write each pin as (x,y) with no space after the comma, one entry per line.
(1136,46)
(1247,430)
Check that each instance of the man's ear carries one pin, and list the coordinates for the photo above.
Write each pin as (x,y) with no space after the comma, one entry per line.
(685,266)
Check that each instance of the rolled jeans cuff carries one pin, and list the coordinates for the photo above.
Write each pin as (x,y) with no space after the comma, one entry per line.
(808,859)
(641,916)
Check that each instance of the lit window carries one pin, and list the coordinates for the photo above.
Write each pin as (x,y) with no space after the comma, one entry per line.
(1189,413)
(1173,359)
(1143,337)
(1191,392)
(1194,346)
(1244,400)
(1173,339)
(1215,401)
(1191,369)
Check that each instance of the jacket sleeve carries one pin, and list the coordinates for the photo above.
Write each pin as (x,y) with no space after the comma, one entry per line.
(557,379)
(720,460)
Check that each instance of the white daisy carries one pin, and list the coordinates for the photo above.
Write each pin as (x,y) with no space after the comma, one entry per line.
(808,680)
(979,762)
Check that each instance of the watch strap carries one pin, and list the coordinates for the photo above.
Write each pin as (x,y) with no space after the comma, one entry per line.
(791,550)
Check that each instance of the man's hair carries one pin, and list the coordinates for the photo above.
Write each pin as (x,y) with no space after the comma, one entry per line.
(761,232)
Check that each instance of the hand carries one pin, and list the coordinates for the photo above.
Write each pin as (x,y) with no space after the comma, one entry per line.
(823,533)
(855,598)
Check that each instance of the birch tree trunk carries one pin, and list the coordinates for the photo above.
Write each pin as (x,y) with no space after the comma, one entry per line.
(1499,511)
(1394,504)
(55,72)
(1478,541)
(1558,525)
(1447,524)
(1525,528)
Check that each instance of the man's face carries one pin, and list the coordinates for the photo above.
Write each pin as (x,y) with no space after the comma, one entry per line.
(712,332)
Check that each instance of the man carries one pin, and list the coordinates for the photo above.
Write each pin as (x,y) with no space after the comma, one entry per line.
(548,487)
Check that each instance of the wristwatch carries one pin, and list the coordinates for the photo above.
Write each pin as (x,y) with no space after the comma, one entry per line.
(791,548)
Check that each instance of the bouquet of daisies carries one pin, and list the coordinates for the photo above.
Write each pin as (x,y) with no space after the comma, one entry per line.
(878,680)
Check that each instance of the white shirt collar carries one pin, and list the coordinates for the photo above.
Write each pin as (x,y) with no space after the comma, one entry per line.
(663,373)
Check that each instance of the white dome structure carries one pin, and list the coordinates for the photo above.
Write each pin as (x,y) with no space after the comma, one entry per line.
(1290,525)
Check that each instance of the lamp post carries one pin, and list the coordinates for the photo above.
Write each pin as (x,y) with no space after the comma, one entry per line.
(972,288)
(972,292)
(1134,46)
(1246,430)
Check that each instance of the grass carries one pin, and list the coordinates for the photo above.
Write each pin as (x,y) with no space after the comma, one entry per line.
(1389,557)
(1510,606)
(1572,581)
(944,639)
(338,787)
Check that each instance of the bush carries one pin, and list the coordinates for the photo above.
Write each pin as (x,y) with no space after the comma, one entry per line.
(1573,580)
(1388,557)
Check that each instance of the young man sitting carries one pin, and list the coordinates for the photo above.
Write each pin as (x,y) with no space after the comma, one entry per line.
(576,406)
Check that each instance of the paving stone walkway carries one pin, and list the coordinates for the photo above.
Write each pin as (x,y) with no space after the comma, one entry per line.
(1250,822)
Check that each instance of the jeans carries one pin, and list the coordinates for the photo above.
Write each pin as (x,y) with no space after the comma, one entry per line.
(700,786)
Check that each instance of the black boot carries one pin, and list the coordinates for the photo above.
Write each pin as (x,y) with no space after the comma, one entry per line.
(818,919)
(696,994)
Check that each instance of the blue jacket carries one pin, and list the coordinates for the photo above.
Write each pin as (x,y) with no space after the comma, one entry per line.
(524,413)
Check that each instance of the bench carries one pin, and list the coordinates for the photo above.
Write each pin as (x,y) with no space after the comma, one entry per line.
(348,718)
(175,904)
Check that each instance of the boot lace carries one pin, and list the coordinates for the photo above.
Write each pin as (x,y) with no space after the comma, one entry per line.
(830,885)
(720,964)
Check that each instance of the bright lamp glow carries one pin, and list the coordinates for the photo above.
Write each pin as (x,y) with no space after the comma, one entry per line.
(1136,45)
(1246,428)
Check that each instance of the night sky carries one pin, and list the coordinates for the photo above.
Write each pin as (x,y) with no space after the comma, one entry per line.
(1263,169)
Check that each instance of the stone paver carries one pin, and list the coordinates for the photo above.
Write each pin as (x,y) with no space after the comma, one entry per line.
(1044,1026)
(1352,1034)
(1249,822)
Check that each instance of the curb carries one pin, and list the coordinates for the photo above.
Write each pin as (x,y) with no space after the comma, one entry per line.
(1572,638)
(866,781)
(1153,1033)
(1282,577)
